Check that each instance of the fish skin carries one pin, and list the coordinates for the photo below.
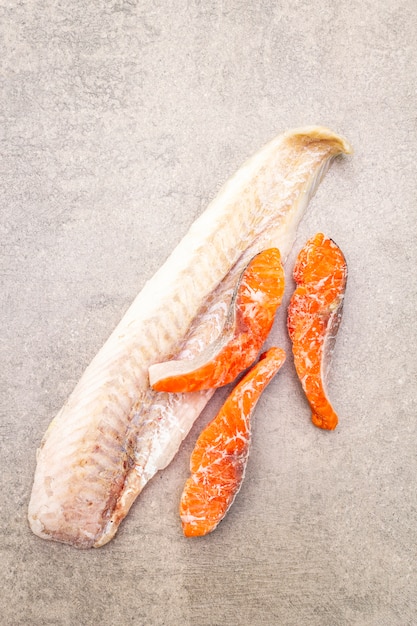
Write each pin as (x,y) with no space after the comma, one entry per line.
(314,316)
(114,433)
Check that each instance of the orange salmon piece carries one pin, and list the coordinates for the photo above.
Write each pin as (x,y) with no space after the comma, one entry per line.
(256,298)
(314,316)
(219,459)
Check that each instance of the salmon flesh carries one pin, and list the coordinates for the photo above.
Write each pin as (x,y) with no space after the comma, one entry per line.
(314,316)
(257,296)
(114,432)
(218,461)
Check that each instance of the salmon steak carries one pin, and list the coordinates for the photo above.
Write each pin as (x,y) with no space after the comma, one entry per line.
(114,433)
(314,316)
(256,298)
(219,459)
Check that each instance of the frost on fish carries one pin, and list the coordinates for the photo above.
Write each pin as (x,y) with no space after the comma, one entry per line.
(219,459)
(114,433)
(314,316)
(257,295)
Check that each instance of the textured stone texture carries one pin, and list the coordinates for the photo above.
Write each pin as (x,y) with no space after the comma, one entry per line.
(119,121)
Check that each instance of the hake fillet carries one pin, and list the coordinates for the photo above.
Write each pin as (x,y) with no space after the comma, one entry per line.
(114,433)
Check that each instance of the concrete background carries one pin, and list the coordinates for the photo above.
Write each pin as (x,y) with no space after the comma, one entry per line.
(120,120)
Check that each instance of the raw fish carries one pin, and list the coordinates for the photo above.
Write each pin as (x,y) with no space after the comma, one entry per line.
(314,316)
(219,459)
(257,296)
(114,433)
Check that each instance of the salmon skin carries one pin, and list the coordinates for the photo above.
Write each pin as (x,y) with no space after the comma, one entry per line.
(114,433)
(314,316)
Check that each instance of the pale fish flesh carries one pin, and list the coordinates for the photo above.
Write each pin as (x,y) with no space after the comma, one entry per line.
(114,433)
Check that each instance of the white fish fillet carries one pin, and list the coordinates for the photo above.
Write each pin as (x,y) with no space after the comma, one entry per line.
(114,433)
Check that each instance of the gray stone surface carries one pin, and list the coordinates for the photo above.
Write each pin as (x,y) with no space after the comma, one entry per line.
(120,120)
